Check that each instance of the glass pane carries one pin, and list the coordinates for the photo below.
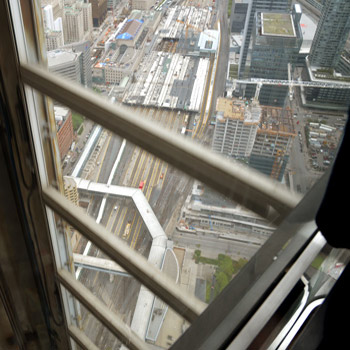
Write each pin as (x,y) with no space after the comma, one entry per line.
(195,64)
(212,236)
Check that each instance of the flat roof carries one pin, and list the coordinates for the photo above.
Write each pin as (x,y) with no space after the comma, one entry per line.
(277,24)
(57,57)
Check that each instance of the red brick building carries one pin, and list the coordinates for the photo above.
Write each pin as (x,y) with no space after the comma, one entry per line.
(65,133)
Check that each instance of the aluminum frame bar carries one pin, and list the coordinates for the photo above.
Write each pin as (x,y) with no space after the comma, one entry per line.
(111,320)
(251,189)
(274,300)
(81,339)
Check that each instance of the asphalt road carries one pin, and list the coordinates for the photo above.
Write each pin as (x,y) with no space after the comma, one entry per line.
(211,246)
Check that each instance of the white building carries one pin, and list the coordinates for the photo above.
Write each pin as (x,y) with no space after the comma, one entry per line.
(48,17)
(53,40)
(65,63)
(73,24)
(236,127)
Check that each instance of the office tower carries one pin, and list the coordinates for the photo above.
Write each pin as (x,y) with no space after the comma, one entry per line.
(331,34)
(87,15)
(84,48)
(276,42)
(235,128)
(99,11)
(273,142)
(57,7)
(328,60)
(73,24)
(256,6)
(48,17)
(65,63)
(262,136)
(238,15)
(54,40)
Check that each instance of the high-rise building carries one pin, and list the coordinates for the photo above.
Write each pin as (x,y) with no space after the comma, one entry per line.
(87,15)
(276,42)
(261,136)
(256,6)
(331,34)
(65,63)
(84,48)
(99,11)
(73,24)
(236,127)
(328,60)
(53,39)
(57,7)
(48,17)
(273,142)
(238,15)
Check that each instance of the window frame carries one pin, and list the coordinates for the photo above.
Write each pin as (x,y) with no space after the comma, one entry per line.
(222,320)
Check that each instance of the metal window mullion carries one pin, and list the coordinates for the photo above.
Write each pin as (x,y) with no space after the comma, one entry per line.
(276,297)
(111,320)
(81,339)
(249,188)
(182,302)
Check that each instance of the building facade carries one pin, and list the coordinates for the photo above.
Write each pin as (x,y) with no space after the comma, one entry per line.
(331,34)
(253,7)
(276,43)
(273,143)
(73,24)
(328,60)
(65,134)
(99,11)
(53,39)
(65,63)
(142,4)
(84,48)
(236,127)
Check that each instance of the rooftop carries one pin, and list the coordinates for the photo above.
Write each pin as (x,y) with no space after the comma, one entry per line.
(277,24)
(276,121)
(57,57)
(130,29)
(238,109)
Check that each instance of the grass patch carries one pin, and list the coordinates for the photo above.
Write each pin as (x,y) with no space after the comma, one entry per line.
(225,269)
(77,120)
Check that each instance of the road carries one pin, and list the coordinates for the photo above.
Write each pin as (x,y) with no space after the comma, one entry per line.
(211,246)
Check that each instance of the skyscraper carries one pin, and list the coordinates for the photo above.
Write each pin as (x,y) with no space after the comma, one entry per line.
(276,42)
(48,17)
(257,6)
(331,34)
(99,11)
(73,21)
(328,59)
